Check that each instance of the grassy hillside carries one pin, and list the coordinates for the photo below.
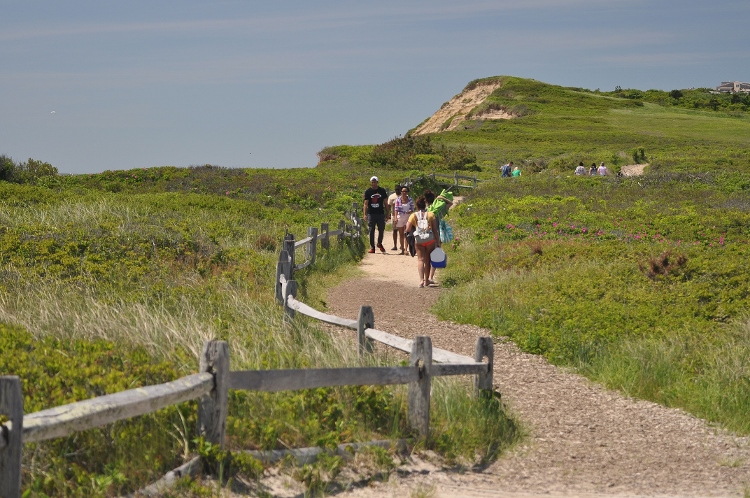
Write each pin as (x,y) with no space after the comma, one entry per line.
(113,281)
(557,127)
(639,282)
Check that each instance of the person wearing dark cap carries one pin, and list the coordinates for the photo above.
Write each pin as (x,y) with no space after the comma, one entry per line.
(375,211)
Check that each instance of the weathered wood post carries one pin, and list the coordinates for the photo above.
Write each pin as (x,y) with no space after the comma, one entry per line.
(419,391)
(455,178)
(342,226)
(312,247)
(283,267)
(356,209)
(289,248)
(212,408)
(483,381)
(366,320)
(324,242)
(11,444)
(289,289)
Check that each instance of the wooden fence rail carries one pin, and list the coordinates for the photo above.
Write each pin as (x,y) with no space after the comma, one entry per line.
(422,354)
(61,421)
(210,386)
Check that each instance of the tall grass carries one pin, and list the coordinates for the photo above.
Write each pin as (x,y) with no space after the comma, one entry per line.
(105,292)
(639,283)
(705,374)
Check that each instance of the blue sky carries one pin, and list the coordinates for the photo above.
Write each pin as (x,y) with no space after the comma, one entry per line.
(268,84)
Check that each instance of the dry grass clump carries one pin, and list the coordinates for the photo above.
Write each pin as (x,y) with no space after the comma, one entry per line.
(663,265)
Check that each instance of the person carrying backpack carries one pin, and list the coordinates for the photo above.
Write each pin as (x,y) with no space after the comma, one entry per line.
(426,238)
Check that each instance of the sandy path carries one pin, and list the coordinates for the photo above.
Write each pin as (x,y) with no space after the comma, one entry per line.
(633,169)
(584,440)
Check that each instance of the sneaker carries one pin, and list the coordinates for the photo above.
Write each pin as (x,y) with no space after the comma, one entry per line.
(394,248)
(382,249)
(371,251)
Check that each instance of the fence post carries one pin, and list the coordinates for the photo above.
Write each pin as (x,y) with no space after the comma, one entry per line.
(366,320)
(11,405)
(475,181)
(289,289)
(212,408)
(312,247)
(324,243)
(419,391)
(289,248)
(484,349)
(342,227)
(282,268)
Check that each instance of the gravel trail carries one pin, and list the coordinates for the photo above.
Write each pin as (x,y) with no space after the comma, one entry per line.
(583,440)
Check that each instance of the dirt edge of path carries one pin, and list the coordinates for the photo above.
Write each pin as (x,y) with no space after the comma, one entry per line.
(584,440)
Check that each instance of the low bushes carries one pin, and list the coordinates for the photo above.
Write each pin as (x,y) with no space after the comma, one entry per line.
(639,283)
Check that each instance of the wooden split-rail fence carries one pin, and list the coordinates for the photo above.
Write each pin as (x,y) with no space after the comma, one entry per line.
(211,384)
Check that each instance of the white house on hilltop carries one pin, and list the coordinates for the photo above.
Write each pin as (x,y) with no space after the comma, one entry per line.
(733,87)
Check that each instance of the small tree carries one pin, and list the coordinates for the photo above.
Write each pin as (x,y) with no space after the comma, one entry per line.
(7,168)
(32,170)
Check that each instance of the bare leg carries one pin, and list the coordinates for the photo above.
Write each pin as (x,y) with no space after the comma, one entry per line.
(402,237)
(421,257)
(427,266)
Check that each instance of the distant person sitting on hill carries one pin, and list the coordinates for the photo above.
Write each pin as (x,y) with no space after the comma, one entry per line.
(581,169)
(505,171)
(516,172)
(602,170)
(592,171)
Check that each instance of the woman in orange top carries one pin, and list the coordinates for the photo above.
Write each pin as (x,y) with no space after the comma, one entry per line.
(424,221)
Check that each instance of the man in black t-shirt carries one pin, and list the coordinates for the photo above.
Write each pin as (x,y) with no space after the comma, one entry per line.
(375,211)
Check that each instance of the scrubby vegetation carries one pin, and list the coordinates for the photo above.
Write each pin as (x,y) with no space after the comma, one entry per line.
(557,127)
(114,280)
(29,171)
(406,153)
(639,283)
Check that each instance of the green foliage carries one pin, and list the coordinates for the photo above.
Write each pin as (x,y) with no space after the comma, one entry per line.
(695,98)
(556,127)
(470,431)
(358,154)
(96,462)
(638,282)
(226,464)
(7,168)
(418,151)
(32,171)
(128,280)
(317,476)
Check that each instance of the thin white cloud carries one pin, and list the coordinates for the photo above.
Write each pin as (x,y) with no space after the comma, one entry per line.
(316,19)
(669,58)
